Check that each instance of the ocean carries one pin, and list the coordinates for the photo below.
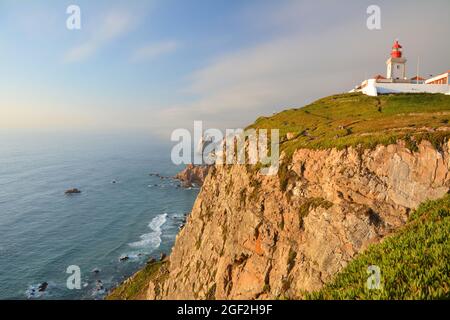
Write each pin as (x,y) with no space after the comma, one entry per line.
(122,210)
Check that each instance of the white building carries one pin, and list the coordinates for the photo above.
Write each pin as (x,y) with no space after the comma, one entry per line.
(397,82)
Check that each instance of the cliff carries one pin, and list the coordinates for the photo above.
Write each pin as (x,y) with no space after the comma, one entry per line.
(412,263)
(193,175)
(247,239)
(348,179)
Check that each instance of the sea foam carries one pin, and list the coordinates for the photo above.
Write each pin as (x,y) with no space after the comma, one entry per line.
(152,240)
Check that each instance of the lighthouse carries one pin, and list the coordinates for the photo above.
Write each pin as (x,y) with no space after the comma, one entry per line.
(396,81)
(396,64)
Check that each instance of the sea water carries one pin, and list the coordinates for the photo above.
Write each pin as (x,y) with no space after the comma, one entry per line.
(122,210)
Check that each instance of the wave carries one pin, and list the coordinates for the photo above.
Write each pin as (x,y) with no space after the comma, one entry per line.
(152,240)
(39,290)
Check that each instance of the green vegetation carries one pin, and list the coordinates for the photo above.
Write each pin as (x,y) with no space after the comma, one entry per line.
(360,121)
(355,119)
(414,262)
(136,287)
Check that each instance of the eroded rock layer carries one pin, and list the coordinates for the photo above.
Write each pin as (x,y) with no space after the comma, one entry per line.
(263,237)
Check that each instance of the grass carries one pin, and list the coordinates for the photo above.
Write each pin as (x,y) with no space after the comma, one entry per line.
(414,262)
(355,119)
(360,121)
(136,287)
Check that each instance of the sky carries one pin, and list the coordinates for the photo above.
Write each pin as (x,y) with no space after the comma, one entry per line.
(158,65)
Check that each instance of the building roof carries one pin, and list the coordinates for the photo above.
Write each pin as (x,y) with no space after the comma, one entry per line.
(438,77)
(379,77)
(418,78)
(442,75)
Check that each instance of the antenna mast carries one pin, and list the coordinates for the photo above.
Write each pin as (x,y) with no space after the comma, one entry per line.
(418,65)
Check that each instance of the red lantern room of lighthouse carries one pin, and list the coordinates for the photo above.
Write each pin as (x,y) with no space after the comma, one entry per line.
(396,50)
(396,64)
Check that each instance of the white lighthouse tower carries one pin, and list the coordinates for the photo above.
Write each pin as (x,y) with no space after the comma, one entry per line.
(396,64)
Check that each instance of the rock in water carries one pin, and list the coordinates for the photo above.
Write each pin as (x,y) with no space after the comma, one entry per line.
(99,285)
(124,258)
(193,175)
(43,286)
(73,191)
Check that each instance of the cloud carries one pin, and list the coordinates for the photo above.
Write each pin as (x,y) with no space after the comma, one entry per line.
(154,50)
(300,64)
(113,25)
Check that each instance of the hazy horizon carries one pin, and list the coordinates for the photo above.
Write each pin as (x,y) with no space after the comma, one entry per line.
(153,66)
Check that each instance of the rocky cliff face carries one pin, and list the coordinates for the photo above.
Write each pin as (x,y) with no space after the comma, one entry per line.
(193,175)
(259,237)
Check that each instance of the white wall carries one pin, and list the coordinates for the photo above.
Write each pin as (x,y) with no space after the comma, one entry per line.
(373,88)
(410,87)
